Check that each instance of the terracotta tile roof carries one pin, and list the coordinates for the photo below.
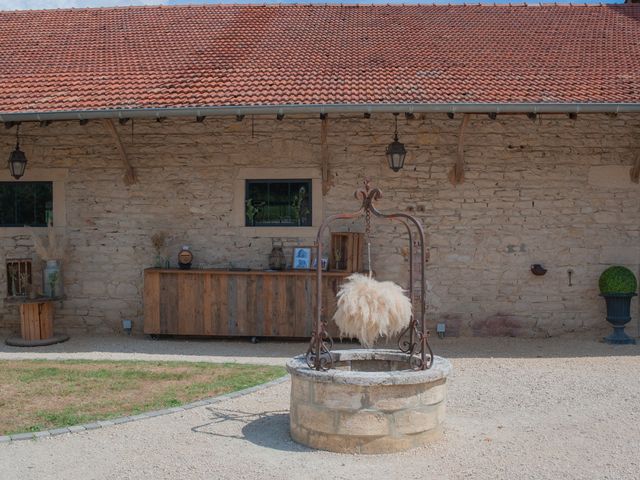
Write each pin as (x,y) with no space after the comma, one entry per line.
(217,55)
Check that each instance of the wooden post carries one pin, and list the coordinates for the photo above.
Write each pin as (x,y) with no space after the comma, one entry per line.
(456,174)
(129,175)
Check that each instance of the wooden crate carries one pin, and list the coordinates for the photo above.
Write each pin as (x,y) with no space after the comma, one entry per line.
(350,246)
(36,320)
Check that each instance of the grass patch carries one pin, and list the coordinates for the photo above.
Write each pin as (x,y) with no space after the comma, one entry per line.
(44,394)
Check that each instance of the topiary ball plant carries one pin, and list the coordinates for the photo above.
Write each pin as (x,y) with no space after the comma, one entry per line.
(617,279)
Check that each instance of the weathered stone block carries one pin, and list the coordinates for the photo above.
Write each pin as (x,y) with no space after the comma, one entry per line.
(301,389)
(418,420)
(393,398)
(363,423)
(434,395)
(315,418)
(334,443)
(339,397)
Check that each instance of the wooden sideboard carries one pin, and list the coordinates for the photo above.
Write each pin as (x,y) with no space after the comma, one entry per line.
(236,303)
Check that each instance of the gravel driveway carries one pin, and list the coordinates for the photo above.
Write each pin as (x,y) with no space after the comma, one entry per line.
(541,409)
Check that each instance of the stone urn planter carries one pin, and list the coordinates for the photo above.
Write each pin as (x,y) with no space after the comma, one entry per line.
(618,286)
(372,401)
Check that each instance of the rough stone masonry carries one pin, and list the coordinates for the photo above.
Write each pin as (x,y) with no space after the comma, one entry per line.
(554,191)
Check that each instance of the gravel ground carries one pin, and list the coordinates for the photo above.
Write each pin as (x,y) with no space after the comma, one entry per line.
(540,409)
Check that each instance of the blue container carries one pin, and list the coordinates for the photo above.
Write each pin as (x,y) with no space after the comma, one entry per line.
(618,315)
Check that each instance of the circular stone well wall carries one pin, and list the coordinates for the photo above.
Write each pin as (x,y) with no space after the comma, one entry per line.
(370,402)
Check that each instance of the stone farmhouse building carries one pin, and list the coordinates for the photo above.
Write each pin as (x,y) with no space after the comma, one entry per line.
(521,126)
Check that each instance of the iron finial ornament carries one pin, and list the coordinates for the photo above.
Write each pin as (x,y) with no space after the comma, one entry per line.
(414,340)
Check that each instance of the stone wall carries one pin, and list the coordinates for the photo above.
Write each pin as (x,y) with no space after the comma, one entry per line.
(554,191)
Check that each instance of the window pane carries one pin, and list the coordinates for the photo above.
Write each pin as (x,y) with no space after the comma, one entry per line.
(278,203)
(25,203)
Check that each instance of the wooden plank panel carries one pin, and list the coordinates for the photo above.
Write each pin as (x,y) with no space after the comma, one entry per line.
(30,321)
(250,307)
(215,301)
(169,317)
(241,305)
(189,305)
(257,312)
(199,307)
(222,324)
(46,320)
(300,306)
(288,317)
(309,313)
(267,305)
(207,300)
(151,302)
(280,310)
(25,322)
(232,306)
(34,322)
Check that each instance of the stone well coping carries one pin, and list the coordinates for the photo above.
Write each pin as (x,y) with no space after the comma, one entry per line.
(440,369)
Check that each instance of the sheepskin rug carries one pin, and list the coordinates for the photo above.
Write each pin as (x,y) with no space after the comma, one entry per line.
(368,309)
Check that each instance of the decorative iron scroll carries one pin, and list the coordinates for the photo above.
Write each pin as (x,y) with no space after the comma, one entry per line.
(323,358)
(414,340)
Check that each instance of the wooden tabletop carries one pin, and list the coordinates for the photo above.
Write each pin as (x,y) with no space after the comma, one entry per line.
(26,300)
(223,271)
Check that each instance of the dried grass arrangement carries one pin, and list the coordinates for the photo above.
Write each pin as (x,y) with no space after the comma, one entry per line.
(369,309)
(159,242)
(51,247)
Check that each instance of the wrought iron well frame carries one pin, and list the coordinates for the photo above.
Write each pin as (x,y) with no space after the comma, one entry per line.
(414,340)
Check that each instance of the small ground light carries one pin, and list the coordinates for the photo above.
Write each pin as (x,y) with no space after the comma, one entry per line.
(440,329)
(127,325)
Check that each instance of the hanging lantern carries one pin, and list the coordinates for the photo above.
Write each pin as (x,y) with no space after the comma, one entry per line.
(17,159)
(396,151)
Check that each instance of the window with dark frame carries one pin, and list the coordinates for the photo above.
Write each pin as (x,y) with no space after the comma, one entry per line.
(26,203)
(278,203)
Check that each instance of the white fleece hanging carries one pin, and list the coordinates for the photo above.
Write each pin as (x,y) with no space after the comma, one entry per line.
(368,309)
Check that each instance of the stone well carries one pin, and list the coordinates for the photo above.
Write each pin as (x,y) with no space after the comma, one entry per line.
(370,402)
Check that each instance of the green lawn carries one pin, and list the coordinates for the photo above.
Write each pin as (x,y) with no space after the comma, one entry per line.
(43,394)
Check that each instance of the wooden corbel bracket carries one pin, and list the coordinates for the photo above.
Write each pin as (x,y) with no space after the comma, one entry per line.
(635,170)
(129,177)
(456,174)
(324,155)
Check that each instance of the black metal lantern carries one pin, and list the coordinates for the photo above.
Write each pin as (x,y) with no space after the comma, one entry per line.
(17,159)
(396,151)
